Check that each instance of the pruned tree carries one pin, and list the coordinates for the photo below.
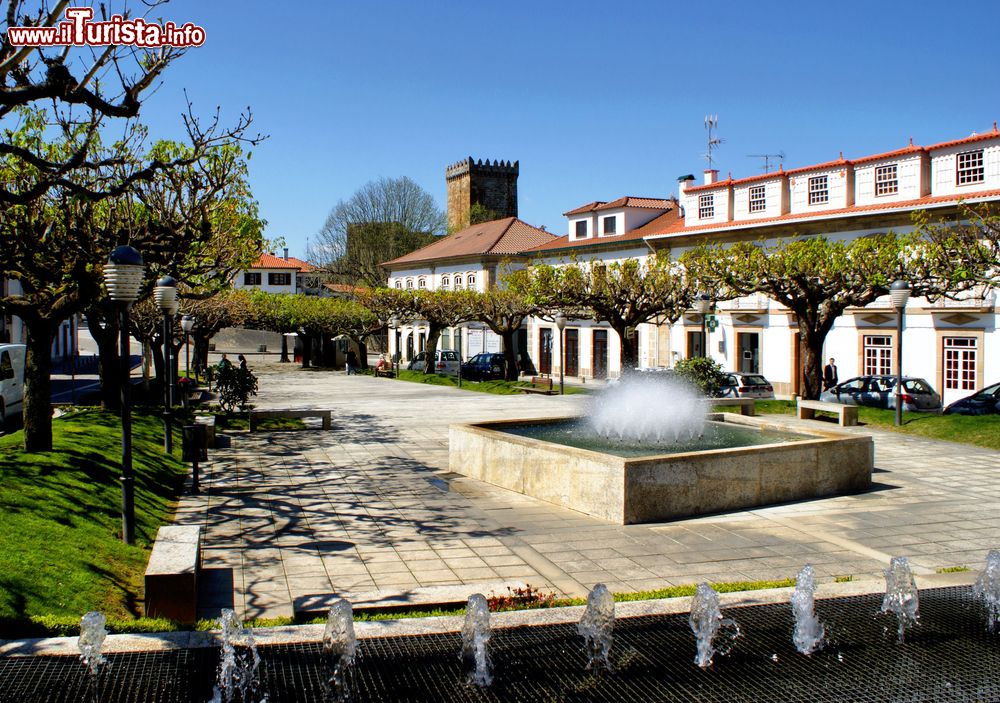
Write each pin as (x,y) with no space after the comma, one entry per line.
(505,310)
(384,219)
(623,293)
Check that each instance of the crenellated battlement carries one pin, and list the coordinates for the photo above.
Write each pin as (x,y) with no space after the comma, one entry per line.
(472,166)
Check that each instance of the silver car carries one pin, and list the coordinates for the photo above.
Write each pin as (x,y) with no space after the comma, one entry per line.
(880,392)
(747,385)
(445,361)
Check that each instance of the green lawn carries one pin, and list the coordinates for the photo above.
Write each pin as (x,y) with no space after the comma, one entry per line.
(495,387)
(982,430)
(60,535)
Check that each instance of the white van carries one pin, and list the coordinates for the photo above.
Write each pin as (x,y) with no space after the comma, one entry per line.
(11,381)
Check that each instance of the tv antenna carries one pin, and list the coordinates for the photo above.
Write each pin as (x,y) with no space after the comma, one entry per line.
(712,124)
(780,157)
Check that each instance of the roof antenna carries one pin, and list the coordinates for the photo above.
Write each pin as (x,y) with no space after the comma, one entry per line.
(780,157)
(712,124)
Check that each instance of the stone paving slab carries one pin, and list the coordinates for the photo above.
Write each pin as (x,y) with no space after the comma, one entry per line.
(370,507)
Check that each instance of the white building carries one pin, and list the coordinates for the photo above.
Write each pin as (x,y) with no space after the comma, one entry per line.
(279,274)
(472,258)
(12,330)
(955,346)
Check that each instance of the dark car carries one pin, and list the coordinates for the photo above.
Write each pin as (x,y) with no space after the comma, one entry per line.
(484,367)
(880,392)
(983,402)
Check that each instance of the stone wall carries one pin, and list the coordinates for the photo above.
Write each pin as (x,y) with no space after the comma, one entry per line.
(491,184)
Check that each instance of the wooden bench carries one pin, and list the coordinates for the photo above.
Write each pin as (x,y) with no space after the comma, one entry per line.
(746,405)
(539,384)
(385,373)
(172,573)
(257,415)
(848,414)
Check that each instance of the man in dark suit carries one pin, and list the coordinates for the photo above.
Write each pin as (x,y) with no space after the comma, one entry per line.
(829,375)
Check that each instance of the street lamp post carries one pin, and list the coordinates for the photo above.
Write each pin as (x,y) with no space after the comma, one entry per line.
(165,295)
(187,324)
(173,354)
(394,324)
(122,277)
(560,321)
(899,291)
(703,303)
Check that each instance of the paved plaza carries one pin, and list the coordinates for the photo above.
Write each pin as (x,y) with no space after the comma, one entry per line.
(368,511)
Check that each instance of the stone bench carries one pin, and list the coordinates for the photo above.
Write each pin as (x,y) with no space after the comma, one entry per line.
(539,384)
(385,373)
(746,405)
(257,415)
(172,573)
(847,414)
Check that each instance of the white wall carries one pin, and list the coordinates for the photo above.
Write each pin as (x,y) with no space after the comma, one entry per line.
(840,189)
(944,163)
(264,285)
(775,199)
(912,174)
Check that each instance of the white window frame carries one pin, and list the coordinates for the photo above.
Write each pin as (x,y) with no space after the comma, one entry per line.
(409,283)
(969,167)
(458,283)
(470,281)
(819,190)
(757,199)
(886,180)
(706,206)
(446,282)
(399,284)
(877,354)
(422,283)
(961,357)
(614,224)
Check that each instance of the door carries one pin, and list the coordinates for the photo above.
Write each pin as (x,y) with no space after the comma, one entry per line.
(572,352)
(695,346)
(545,350)
(600,356)
(960,361)
(409,347)
(748,352)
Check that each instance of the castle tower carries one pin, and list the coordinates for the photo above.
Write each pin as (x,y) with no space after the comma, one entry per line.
(492,185)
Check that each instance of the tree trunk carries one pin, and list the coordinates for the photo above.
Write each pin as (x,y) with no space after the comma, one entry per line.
(812,362)
(510,355)
(630,349)
(433,333)
(284,349)
(109,363)
(363,355)
(38,387)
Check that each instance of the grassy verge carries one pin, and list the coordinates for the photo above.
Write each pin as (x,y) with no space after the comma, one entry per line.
(60,536)
(239,421)
(495,387)
(981,430)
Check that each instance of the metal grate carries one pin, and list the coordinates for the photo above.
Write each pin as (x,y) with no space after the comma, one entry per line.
(948,657)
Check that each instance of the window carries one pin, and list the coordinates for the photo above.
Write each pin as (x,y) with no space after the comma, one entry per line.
(470,280)
(581,228)
(960,363)
(877,355)
(409,283)
(757,202)
(610,224)
(706,207)
(886,181)
(251,279)
(422,283)
(458,282)
(399,284)
(279,279)
(970,167)
(818,191)
(445,281)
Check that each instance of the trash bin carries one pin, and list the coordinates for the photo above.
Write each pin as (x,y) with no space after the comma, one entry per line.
(194,446)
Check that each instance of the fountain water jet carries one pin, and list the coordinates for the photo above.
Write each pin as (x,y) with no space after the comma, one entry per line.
(634,409)
(92,636)
(808,632)
(987,589)
(901,596)
(339,648)
(597,626)
(475,637)
(706,622)
(237,674)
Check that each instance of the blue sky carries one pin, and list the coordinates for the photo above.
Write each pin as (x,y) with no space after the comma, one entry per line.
(596,100)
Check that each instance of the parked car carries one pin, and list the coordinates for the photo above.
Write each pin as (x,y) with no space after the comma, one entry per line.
(445,361)
(747,385)
(880,392)
(484,367)
(982,402)
(11,381)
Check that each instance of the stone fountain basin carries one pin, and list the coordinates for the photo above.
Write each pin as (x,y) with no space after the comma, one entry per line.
(666,486)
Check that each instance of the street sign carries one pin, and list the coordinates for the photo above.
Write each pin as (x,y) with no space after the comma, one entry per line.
(711,323)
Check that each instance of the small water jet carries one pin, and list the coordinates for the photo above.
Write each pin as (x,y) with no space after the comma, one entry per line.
(808,632)
(92,636)
(597,626)
(635,410)
(236,681)
(475,637)
(339,648)
(706,622)
(901,596)
(987,589)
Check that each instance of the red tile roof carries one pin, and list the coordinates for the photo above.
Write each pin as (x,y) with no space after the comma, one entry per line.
(911,149)
(507,236)
(626,201)
(677,228)
(270,261)
(658,223)
(816,167)
(968,140)
(304,266)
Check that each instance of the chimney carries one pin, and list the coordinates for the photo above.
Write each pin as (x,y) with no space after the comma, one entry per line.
(286,248)
(685,182)
(711,176)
